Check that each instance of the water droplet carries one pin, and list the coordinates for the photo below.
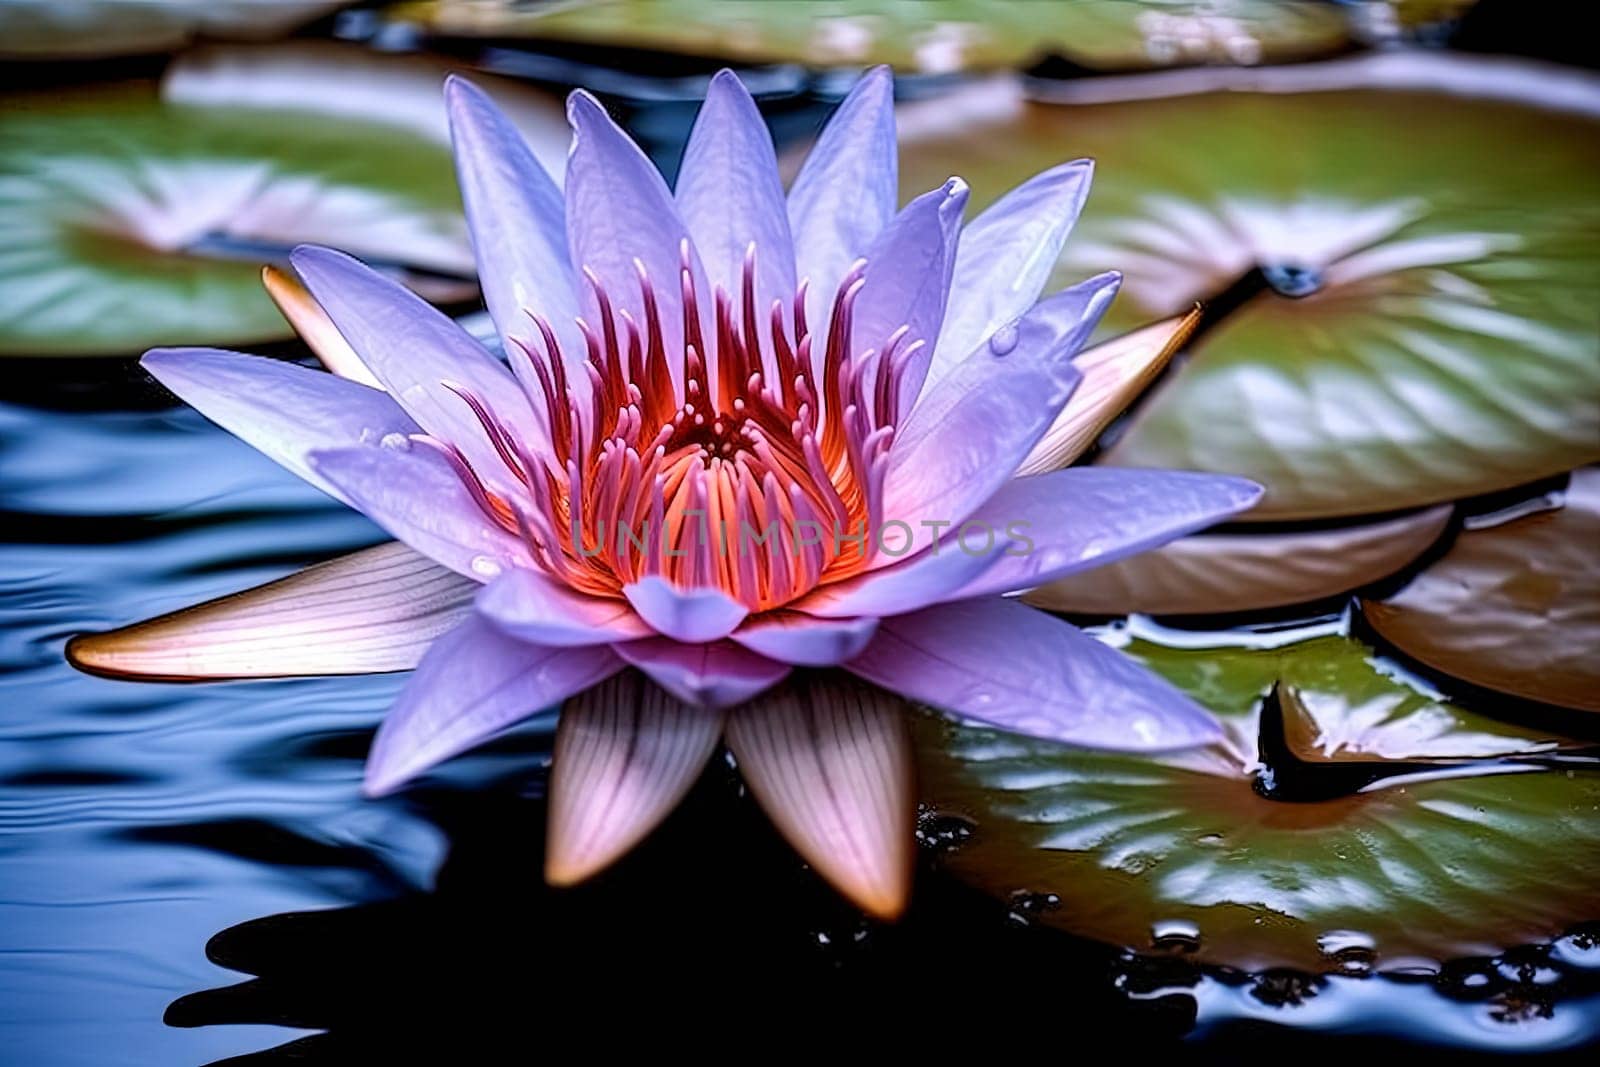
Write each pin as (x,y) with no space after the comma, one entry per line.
(397,441)
(1351,951)
(486,566)
(942,833)
(1003,340)
(1175,935)
(1209,840)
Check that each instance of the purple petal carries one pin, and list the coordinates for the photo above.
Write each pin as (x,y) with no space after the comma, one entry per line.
(473,683)
(829,760)
(619,210)
(692,616)
(1006,256)
(284,410)
(717,675)
(1083,517)
(371,611)
(803,640)
(625,754)
(970,431)
(847,189)
(516,216)
(729,195)
(414,349)
(533,607)
(935,574)
(414,494)
(1022,670)
(908,278)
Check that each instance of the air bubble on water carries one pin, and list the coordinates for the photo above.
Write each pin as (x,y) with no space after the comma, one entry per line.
(1175,935)
(1351,951)
(486,566)
(1003,340)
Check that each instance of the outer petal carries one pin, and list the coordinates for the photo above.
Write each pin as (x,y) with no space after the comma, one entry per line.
(729,194)
(908,279)
(530,606)
(937,573)
(1080,518)
(284,410)
(371,611)
(518,224)
(1006,257)
(413,494)
(804,640)
(1030,673)
(717,675)
(618,211)
(314,326)
(830,762)
(626,753)
(692,616)
(846,191)
(970,431)
(473,683)
(1115,373)
(414,349)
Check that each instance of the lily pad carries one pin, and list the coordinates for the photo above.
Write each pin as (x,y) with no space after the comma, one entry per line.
(48,29)
(1406,281)
(1186,851)
(930,36)
(1213,574)
(1514,607)
(139,215)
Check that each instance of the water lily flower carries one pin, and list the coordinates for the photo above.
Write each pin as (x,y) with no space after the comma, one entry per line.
(749,475)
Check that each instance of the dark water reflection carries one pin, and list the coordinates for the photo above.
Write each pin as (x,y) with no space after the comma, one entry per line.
(185,871)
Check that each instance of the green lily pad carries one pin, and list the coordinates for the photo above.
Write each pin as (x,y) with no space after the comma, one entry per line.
(138,215)
(1450,247)
(46,29)
(932,36)
(1182,850)
(1514,607)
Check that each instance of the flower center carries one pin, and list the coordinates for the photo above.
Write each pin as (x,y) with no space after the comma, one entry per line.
(751,462)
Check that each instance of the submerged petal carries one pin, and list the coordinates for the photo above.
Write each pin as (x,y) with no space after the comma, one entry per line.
(1021,670)
(371,611)
(805,640)
(473,683)
(531,606)
(414,494)
(729,193)
(1006,256)
(286,411)
(518,223)
(829,760)
(625,754)
(846,190)
(1075,519)
(716,675)
(1115,373)
(689,615)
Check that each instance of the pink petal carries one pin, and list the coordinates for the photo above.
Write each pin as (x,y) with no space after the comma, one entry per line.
(729,194)
(804,640)
(414,349)
(414,494)
(1006,256)
(692,616)
(531,606)
(847,189)
(286,411)
(473,683)
(718,675)
(371,611)
(626,753)
(830,762)
(1084,517)
(937,573)
(518,223)
(1021,670)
